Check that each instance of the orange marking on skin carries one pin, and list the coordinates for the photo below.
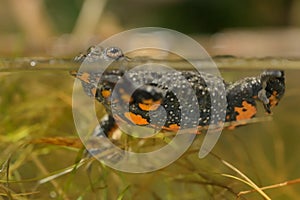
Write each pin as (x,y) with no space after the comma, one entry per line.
(112,131)
(124,96)
(149,105)
(273,100)
(106,93)
(174,127)
(150,101)
(136,119)
(121,90)
(231,127)
(94,90)
(85,77)
(247,111)
(73,73)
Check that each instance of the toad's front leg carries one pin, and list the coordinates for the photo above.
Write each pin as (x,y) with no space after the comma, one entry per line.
(100,146)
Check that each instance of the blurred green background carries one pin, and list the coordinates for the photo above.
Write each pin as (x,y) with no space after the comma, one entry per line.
(36,104)
(62,28)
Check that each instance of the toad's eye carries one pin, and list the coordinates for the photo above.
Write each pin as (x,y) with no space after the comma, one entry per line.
(114,53)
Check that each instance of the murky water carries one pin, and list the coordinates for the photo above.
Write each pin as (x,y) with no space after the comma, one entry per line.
(37,104)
